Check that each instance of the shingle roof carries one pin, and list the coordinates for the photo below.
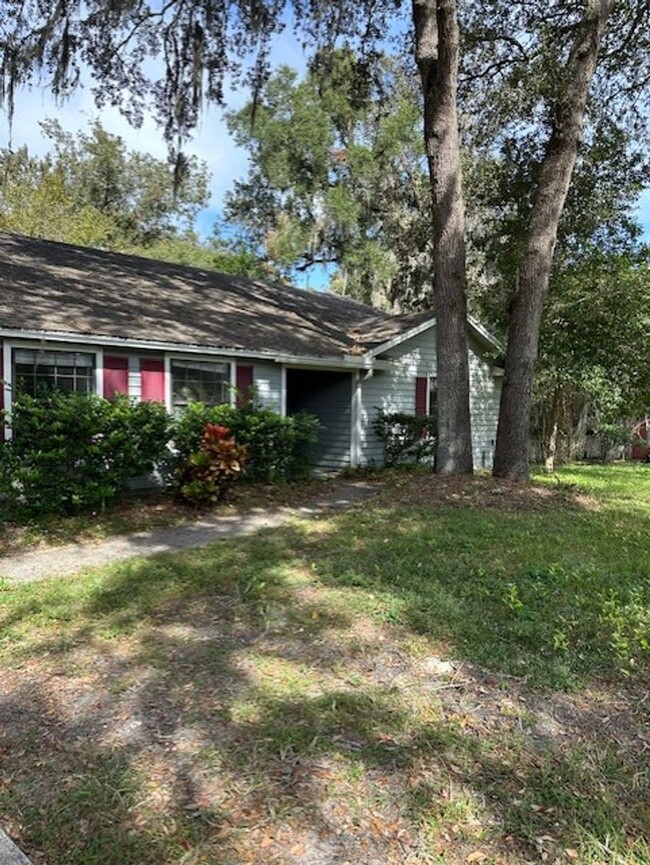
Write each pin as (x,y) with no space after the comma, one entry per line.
(47,286)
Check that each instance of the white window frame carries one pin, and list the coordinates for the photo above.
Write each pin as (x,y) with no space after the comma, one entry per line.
(201,358)
(8,347)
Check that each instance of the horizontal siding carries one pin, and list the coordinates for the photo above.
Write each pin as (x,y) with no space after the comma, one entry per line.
(267,379)
(331,402)
(485,395)
(394,390)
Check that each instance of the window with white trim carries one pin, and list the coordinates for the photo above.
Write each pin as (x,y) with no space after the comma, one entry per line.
(200,381)
(36,370)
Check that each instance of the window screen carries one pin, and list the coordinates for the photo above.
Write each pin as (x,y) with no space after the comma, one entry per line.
(200,381)
(69,371)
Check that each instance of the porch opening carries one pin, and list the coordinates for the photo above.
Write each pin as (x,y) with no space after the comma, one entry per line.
(327,395)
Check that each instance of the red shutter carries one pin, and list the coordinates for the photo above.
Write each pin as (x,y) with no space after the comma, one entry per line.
(152,380)
(116,376)
(244,384)
(2,395)
(421,387)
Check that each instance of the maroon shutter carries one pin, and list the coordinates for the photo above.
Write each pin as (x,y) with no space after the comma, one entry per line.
(244,384)
(421,386)
(116,376)
(152,380)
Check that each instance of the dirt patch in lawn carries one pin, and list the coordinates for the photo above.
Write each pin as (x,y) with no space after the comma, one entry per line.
(428,490)
(293,731)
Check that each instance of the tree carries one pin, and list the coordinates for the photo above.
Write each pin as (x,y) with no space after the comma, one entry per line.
(336,178)
(592,349)
(130,194)
(91,191)
(539,59)
(216,253)
(35,200)
(570,103)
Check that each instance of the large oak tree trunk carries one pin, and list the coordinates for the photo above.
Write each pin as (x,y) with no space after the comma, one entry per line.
(436,50)
(511,459)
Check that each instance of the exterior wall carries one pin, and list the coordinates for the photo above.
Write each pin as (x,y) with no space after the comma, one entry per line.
(394,390)
(484,398)
(381,390)
(328,396)
(267,379)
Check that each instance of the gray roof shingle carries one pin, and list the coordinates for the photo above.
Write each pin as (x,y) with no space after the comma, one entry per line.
(47,286)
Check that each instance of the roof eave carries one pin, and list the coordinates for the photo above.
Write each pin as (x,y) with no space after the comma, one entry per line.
(343,361)
(475,327)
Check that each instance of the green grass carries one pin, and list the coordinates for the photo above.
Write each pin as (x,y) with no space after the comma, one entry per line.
(278,678)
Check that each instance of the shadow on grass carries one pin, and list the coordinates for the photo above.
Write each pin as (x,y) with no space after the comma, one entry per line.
(211,705)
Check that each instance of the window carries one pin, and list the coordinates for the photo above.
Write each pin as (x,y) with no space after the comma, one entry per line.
(200,381)
(36,370)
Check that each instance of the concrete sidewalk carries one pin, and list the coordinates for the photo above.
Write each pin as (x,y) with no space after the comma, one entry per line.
(72,558)
(10,854)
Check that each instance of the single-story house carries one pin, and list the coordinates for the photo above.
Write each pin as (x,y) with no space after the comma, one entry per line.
(94,321)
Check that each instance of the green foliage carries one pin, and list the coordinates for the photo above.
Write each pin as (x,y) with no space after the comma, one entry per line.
(406,437)
(281,448)
(74,452)
(337,177)
(90,190)
(217,253)
(207,475)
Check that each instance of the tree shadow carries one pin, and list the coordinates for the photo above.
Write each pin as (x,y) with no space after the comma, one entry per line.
(263,700)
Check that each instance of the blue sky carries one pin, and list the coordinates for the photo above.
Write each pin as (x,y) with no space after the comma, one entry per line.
(211,143)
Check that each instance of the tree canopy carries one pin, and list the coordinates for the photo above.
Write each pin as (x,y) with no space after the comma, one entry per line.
(90,190)
(512,76)
(336,177)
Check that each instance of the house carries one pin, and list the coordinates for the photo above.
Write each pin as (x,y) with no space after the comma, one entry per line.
(94,321)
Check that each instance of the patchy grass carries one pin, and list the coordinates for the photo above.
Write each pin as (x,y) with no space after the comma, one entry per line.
(455,672)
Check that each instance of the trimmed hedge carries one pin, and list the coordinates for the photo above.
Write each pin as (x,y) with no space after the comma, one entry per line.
(74,452)
(279,448)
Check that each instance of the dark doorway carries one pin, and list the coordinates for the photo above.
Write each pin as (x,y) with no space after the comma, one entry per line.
(328,395)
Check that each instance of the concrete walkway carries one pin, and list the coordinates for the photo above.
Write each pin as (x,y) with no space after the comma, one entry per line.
(10,854)
(70,559)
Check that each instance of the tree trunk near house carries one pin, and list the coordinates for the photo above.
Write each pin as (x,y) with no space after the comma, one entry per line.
(552,433)
(436,51)
(511,458)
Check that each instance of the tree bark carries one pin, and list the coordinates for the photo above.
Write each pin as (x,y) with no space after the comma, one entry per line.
(511,458)
(550,445)
(436,52)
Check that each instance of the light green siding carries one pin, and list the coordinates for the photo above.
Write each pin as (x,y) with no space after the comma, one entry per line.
(394,390)
(267,380)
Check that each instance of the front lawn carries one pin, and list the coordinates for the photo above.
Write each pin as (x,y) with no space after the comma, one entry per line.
(456,671)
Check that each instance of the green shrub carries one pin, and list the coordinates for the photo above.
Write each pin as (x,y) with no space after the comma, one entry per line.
(406,437)
(208,474)
(280,448)
(73,452)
